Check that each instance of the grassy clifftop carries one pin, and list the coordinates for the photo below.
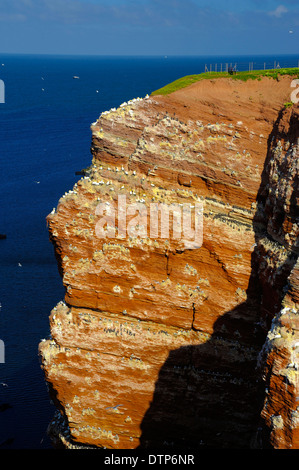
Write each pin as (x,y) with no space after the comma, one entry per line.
(252,75)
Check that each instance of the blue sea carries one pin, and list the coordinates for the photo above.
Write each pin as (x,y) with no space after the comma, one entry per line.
(45,138)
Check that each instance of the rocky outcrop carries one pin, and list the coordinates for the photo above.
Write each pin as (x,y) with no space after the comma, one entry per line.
(278,271)
(157,340)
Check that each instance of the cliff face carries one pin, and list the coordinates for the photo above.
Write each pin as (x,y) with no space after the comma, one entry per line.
(157,341)
(278,272)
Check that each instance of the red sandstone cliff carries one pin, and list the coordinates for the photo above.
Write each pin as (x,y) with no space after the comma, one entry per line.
(278,272)
(158,344)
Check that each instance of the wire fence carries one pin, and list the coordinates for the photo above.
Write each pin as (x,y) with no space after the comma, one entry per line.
(251,65)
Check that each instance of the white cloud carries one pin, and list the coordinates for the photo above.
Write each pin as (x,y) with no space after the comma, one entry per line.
(279,11)
(12,17)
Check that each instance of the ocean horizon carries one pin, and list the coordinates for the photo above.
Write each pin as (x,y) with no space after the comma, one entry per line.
(45,139)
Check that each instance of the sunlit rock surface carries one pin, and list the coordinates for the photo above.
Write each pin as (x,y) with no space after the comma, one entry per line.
(161,344)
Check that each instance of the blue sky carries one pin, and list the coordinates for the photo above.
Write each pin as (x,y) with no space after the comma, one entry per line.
(149,27)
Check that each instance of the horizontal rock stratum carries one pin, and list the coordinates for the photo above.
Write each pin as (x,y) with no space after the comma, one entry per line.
(162,344)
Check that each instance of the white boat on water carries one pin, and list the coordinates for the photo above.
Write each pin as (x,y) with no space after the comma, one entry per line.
(75,76)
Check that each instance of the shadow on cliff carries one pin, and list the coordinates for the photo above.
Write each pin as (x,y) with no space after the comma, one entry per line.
(211,395)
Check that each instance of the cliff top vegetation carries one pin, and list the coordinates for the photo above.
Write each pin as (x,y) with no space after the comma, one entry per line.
(244,76)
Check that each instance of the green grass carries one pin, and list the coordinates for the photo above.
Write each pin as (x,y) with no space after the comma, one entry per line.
(252,75)
(288,104)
